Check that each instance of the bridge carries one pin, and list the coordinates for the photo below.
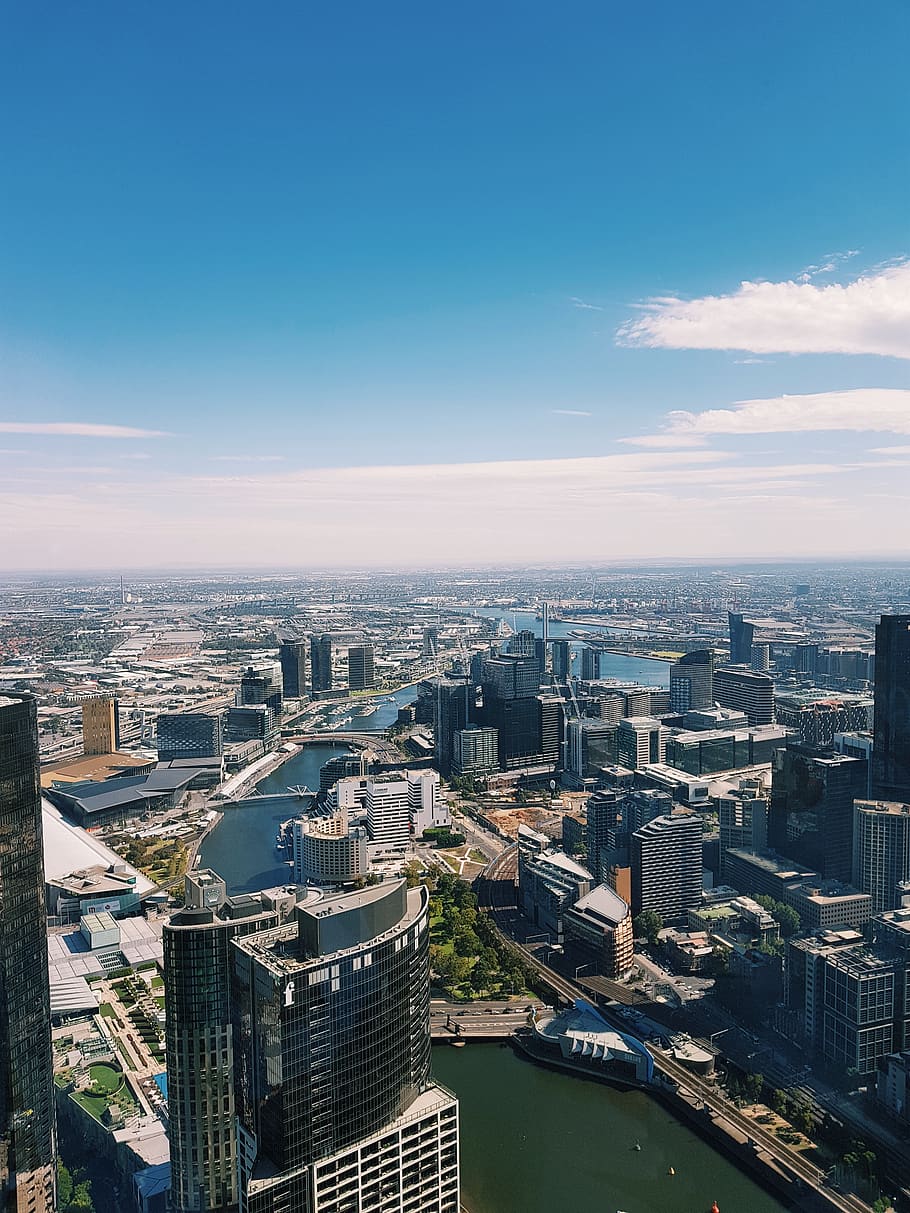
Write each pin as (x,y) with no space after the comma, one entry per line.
(385,751)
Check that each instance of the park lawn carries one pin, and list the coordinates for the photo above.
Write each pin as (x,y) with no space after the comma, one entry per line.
(107,1011)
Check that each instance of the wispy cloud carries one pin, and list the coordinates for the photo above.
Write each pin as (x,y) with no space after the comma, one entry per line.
(11,451)
(584,305)
(752,361)
(247,458)
(571,413)
(870,315)
(828,264)
(78,429)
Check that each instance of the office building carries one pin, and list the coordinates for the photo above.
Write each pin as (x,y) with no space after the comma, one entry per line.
(429,646)
(741,636)
(640,740)
(590,664)
(747,691)
(805,659)
(321,663)
(261,684)
(427,809)
(256,722)
(742,814)
(388,810)
(760,658)
(188,735)
(329,851)
(292,658)
(812,795)
(100,725)
(818,717)
(600,924)
(561,659)
(453,707)
(361,672)
(605,831)
(891,757)
(692,681)
(666,867)
(28,1149)
(475,751)
(881,851)
(708,751)
(550,715)
(590,746)
(200,1049)
(337,1108)
(506,677)
(549,881)
(522,644)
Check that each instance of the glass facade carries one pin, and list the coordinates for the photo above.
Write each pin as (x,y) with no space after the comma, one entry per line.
(27,1124)
(332,1047)
(200,1056)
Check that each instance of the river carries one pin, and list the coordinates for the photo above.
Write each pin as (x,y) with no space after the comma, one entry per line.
(645,670)
(535,1141)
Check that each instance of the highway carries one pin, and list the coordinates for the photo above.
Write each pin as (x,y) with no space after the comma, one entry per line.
(497,892)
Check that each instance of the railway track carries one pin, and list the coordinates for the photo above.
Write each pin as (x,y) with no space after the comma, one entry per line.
(496,893)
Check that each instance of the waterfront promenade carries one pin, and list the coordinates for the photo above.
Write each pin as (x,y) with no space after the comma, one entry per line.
(688,1095)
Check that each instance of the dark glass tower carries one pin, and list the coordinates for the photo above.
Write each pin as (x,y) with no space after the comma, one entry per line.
(891,753)
(741,636)
(811,820)
(28,1148)
(337,1109)
(200,1053)
(361,674)
(292,655)
(321,663)
(692,681)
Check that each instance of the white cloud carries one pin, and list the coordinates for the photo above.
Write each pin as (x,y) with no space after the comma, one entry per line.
(856,410)
(585,306)
(571,413)
(78,429)
(667,440)
(870,315)
(889,450)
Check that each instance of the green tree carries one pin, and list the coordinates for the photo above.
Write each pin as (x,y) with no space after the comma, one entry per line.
(648,925)
(753,1086)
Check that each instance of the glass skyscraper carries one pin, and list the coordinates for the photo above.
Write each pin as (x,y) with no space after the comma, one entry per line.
(891,752)
(27,1127)
(337,1108)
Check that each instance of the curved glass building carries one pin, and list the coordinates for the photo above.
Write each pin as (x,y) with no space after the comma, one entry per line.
(337,1108)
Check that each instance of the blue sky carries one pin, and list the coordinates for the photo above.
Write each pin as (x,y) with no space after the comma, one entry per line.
(375,283)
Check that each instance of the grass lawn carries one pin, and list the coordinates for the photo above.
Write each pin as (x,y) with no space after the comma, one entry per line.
(107,1011)
(105,1077)
(93,1104)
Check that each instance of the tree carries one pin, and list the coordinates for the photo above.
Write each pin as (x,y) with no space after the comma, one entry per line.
(784,915)
(753,1086)
(648,925)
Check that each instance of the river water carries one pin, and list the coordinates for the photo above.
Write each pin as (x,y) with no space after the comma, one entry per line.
(644,670)
(536,1141)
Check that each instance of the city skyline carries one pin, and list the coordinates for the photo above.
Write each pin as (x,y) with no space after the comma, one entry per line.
(629,286)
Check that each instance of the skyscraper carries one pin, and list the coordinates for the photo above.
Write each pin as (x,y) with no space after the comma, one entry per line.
(28,1149)
(891,753)
(881,851)
(811,818)
(292,655)
(337,1108)
(561,652)
(747,691)
(692,681)
(666,866)
(200,1050)
(741,636)
(361,675)
(321,663)
(590,664)
(452,701)
(262,684)
(100,725)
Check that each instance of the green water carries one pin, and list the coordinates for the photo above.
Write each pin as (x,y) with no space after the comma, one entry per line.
(536,1141)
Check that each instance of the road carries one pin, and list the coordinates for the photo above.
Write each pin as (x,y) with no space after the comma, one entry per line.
(497,892)
(479,1019)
